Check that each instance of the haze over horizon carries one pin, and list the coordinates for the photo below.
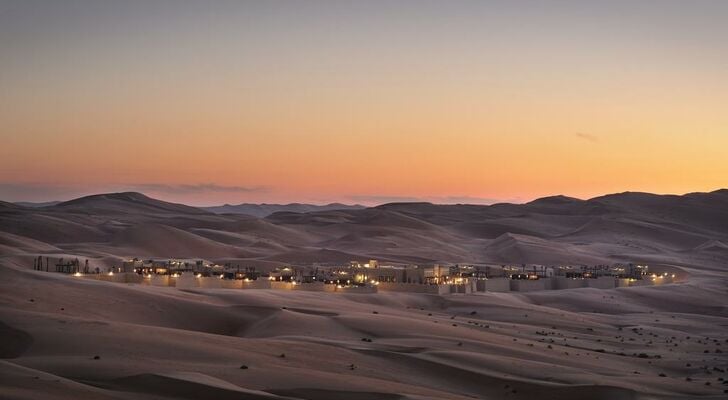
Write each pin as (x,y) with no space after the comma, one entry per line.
(278,102)
(366,201)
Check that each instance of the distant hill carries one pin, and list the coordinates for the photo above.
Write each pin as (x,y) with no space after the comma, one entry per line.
(264,210)
(36,205)
(618,227)
(123,203)
(9,206)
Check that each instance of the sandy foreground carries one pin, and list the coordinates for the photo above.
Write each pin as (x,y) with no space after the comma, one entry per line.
(66,338)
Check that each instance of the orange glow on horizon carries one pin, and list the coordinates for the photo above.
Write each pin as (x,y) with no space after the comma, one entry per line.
(288,111)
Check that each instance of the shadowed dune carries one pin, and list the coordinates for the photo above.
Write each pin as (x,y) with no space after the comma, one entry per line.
(13,342)
(186,385)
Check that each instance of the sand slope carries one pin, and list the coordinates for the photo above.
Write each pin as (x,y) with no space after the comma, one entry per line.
(555,229)
(65,338)
(186,344)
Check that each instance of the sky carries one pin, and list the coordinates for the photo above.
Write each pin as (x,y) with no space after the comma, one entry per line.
(362,102)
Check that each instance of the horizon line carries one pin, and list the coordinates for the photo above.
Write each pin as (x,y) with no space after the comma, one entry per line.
(403,200)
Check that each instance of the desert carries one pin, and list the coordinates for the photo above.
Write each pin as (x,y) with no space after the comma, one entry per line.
(363,200)
(83,338)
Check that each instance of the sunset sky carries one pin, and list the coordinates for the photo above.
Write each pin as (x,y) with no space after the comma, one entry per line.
(362,102)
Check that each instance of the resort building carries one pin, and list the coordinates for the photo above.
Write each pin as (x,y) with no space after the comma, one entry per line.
(369,277)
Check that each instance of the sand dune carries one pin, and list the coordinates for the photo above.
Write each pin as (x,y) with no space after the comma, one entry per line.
(123,203)
(154,341)
(530,249)
(189,385)
(10,244)
(264,210)
(605,228)
(166,241)
(67,338)
(307,256)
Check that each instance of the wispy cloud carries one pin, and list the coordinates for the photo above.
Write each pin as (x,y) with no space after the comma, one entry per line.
(470,200)
(376,199)
(194,188)
(12,191)
(587,136)
(212,194)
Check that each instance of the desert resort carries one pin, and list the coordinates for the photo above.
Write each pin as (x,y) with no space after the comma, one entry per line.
(358,277)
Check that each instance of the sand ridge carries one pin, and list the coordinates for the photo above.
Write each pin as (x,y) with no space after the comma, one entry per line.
(65,338)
